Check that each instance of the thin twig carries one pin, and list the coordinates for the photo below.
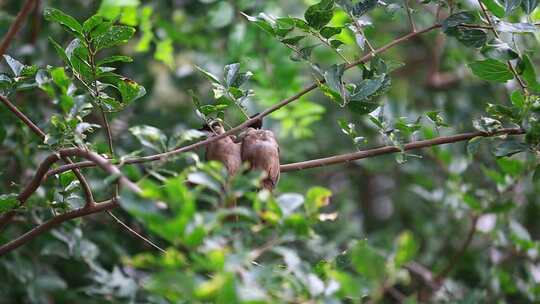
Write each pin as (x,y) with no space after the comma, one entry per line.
(455,259)
(135,233)
(409,15)
(477,26)
(16,25)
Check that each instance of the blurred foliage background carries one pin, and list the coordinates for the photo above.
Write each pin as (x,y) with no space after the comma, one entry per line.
(391,224)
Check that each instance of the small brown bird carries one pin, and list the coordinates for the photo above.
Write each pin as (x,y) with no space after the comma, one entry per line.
(261,150)
(224,150)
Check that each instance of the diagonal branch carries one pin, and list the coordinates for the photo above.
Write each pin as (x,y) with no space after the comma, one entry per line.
(101,162)
(455,259)
(332,160)
(53,158)
(55,221)
(27,121)
(245,124)
(16,25)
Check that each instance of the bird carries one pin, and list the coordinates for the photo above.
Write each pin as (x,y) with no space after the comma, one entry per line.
(260,150)
(223,150)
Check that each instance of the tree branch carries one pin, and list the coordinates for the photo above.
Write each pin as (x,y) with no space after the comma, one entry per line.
(332,160)
(245,124)
(27,121)
(101,162)
(455,259)
(50,160)
(55,221)
(16,25)
(133,232)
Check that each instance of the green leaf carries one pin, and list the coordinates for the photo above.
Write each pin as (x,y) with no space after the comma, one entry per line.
(457,19)
(368,87)
(523,27)
(59,50)
(112,9)
(517,98)
(509,148)
(316,198)
(231,74)
(204,179)
(91,23)
(213,78)
(293,40)
(15,66)
(262,21)
(130,90)
(367,261)
(150,137)
(8,202)
(335,84)
(289,202)
(487,124)
(6,84)
(529,6)
(472,202)
(146,27)
(407,248)
(304,53)
(499,50)
(329,31)
(115,58)
(491,70)
(512,167)
(116,35)
(165,52)
(52,14)
(510,5)
(318,15)
(60,78)
(529,74)
(358,9)
(363,107)
(494,7)
(335,43)
(77,53)
(436,118)
(473,145)
(473,37)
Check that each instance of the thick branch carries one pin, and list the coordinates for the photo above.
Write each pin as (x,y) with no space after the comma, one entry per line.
(51,159)
(36,181)
(16,25)
(332,160)
(245,124)
(55,221)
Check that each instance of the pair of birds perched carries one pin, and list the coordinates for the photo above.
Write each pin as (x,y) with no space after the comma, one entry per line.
(255,146)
